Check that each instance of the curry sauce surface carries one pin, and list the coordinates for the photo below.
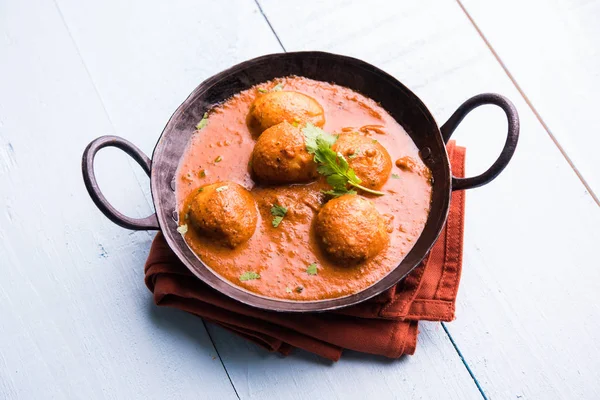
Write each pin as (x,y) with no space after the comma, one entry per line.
(221,152)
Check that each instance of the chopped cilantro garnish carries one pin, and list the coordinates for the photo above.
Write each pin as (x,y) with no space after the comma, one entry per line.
(278,212)
(395,176)
(262,90)
(218,159)
(249,276)
(276,221)
(312,269)
(203,122)
(299,289)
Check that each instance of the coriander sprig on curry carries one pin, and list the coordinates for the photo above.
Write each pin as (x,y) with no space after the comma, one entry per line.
(334,165)
(313,191)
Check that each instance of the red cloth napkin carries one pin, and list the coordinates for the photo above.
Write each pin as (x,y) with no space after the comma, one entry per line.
(384,325)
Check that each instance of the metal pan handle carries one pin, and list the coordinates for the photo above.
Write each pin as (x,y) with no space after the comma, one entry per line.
(511,138)
(89,177)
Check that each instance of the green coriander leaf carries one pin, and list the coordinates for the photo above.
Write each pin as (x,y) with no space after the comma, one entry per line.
(276,221)
(200,189)
(218,159)
(203,122)
(325,170)
(395,176)
(277,88)
(342,162)
(182,229)
(374,140)
(262,90)
(299,289)
(311,133)
(312,269)
(202,174)
(338,192)
(337,181)
(352,176)
(331,164)
(249,276)
(326,139)
(278,212)
(325,156)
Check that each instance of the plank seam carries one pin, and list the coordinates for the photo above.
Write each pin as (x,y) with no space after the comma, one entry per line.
(270,26)
(88,73)
(529,103)
(464,362)
(220,358)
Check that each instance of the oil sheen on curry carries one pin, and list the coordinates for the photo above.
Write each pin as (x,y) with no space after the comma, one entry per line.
(301,190)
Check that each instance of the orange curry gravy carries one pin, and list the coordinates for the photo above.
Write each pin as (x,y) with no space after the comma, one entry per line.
(221,151)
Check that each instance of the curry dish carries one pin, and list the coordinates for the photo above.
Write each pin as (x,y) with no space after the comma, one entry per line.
(301,190)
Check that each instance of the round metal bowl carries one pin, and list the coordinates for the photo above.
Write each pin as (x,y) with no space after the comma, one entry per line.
(355,74)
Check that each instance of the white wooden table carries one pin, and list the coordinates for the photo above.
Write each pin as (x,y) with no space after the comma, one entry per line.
(76,320)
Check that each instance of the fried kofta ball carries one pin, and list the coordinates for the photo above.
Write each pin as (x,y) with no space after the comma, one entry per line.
(280,156)
(367,157)
(350,229)
(275,107)
(224,211)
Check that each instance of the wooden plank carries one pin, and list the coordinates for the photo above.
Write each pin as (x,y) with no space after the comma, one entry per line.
(77,320)
(527,316)
(157,52)
(140,93)
(434,372)
(550,47)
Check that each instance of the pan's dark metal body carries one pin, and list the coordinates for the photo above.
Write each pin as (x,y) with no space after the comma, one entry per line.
(372,82)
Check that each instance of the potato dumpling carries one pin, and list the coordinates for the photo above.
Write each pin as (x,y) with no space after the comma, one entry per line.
(350,229)
(367,157)
(224,211)
(275,107)
(280,156)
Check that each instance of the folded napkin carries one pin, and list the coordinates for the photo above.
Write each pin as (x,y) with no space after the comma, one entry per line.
(385,325)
